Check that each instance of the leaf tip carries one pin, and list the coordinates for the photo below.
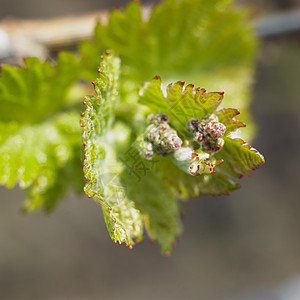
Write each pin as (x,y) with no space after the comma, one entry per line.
(202,90)
(167,254)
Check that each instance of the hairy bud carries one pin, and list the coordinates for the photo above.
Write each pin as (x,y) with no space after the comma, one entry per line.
(208,133)
(146,148)
(162,138)
(194,162)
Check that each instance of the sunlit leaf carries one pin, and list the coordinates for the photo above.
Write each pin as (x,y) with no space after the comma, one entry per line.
(183,103)
(208,43)
(38,139)
(101,167)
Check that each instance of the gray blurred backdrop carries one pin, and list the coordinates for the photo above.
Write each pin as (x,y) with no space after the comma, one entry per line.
(242,246)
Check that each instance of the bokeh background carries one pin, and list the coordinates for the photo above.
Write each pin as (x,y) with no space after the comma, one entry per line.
(245,246)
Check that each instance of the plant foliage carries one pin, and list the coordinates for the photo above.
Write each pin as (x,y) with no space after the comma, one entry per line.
(142,150)
(39,137)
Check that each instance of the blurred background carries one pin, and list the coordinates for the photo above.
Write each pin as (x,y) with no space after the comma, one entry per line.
(245,246)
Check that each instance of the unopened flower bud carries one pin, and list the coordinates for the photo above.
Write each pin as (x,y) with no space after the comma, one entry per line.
(163,138)
(145,148)
(194,163)
(207,133)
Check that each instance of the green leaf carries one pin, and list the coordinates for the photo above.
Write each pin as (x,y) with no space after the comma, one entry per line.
(38,140)
(177,37)
(206,42)
(31,93)
(239,157)
(101,167)
(156,201)
(34,155)
(186,185)
(117,176)
(226,116)
(183,103)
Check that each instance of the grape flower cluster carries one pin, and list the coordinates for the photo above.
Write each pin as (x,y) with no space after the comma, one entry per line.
(207,133)
(163,140)
(159,137)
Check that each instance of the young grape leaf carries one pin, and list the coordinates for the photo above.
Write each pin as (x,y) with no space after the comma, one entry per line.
(201,41)
(31,93)
(227,117)
(156,201)
(101,167)
(207,42)
(38,140)
(184,103)
(239,157)
(117,177)
(177,37)
(181,104)
(34,157)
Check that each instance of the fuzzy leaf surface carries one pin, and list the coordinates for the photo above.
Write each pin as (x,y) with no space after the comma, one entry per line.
(205,42)
(177,37)
(31,93)
(182,103)
(156,201)
(38,139)
(101,167)
(117,177)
